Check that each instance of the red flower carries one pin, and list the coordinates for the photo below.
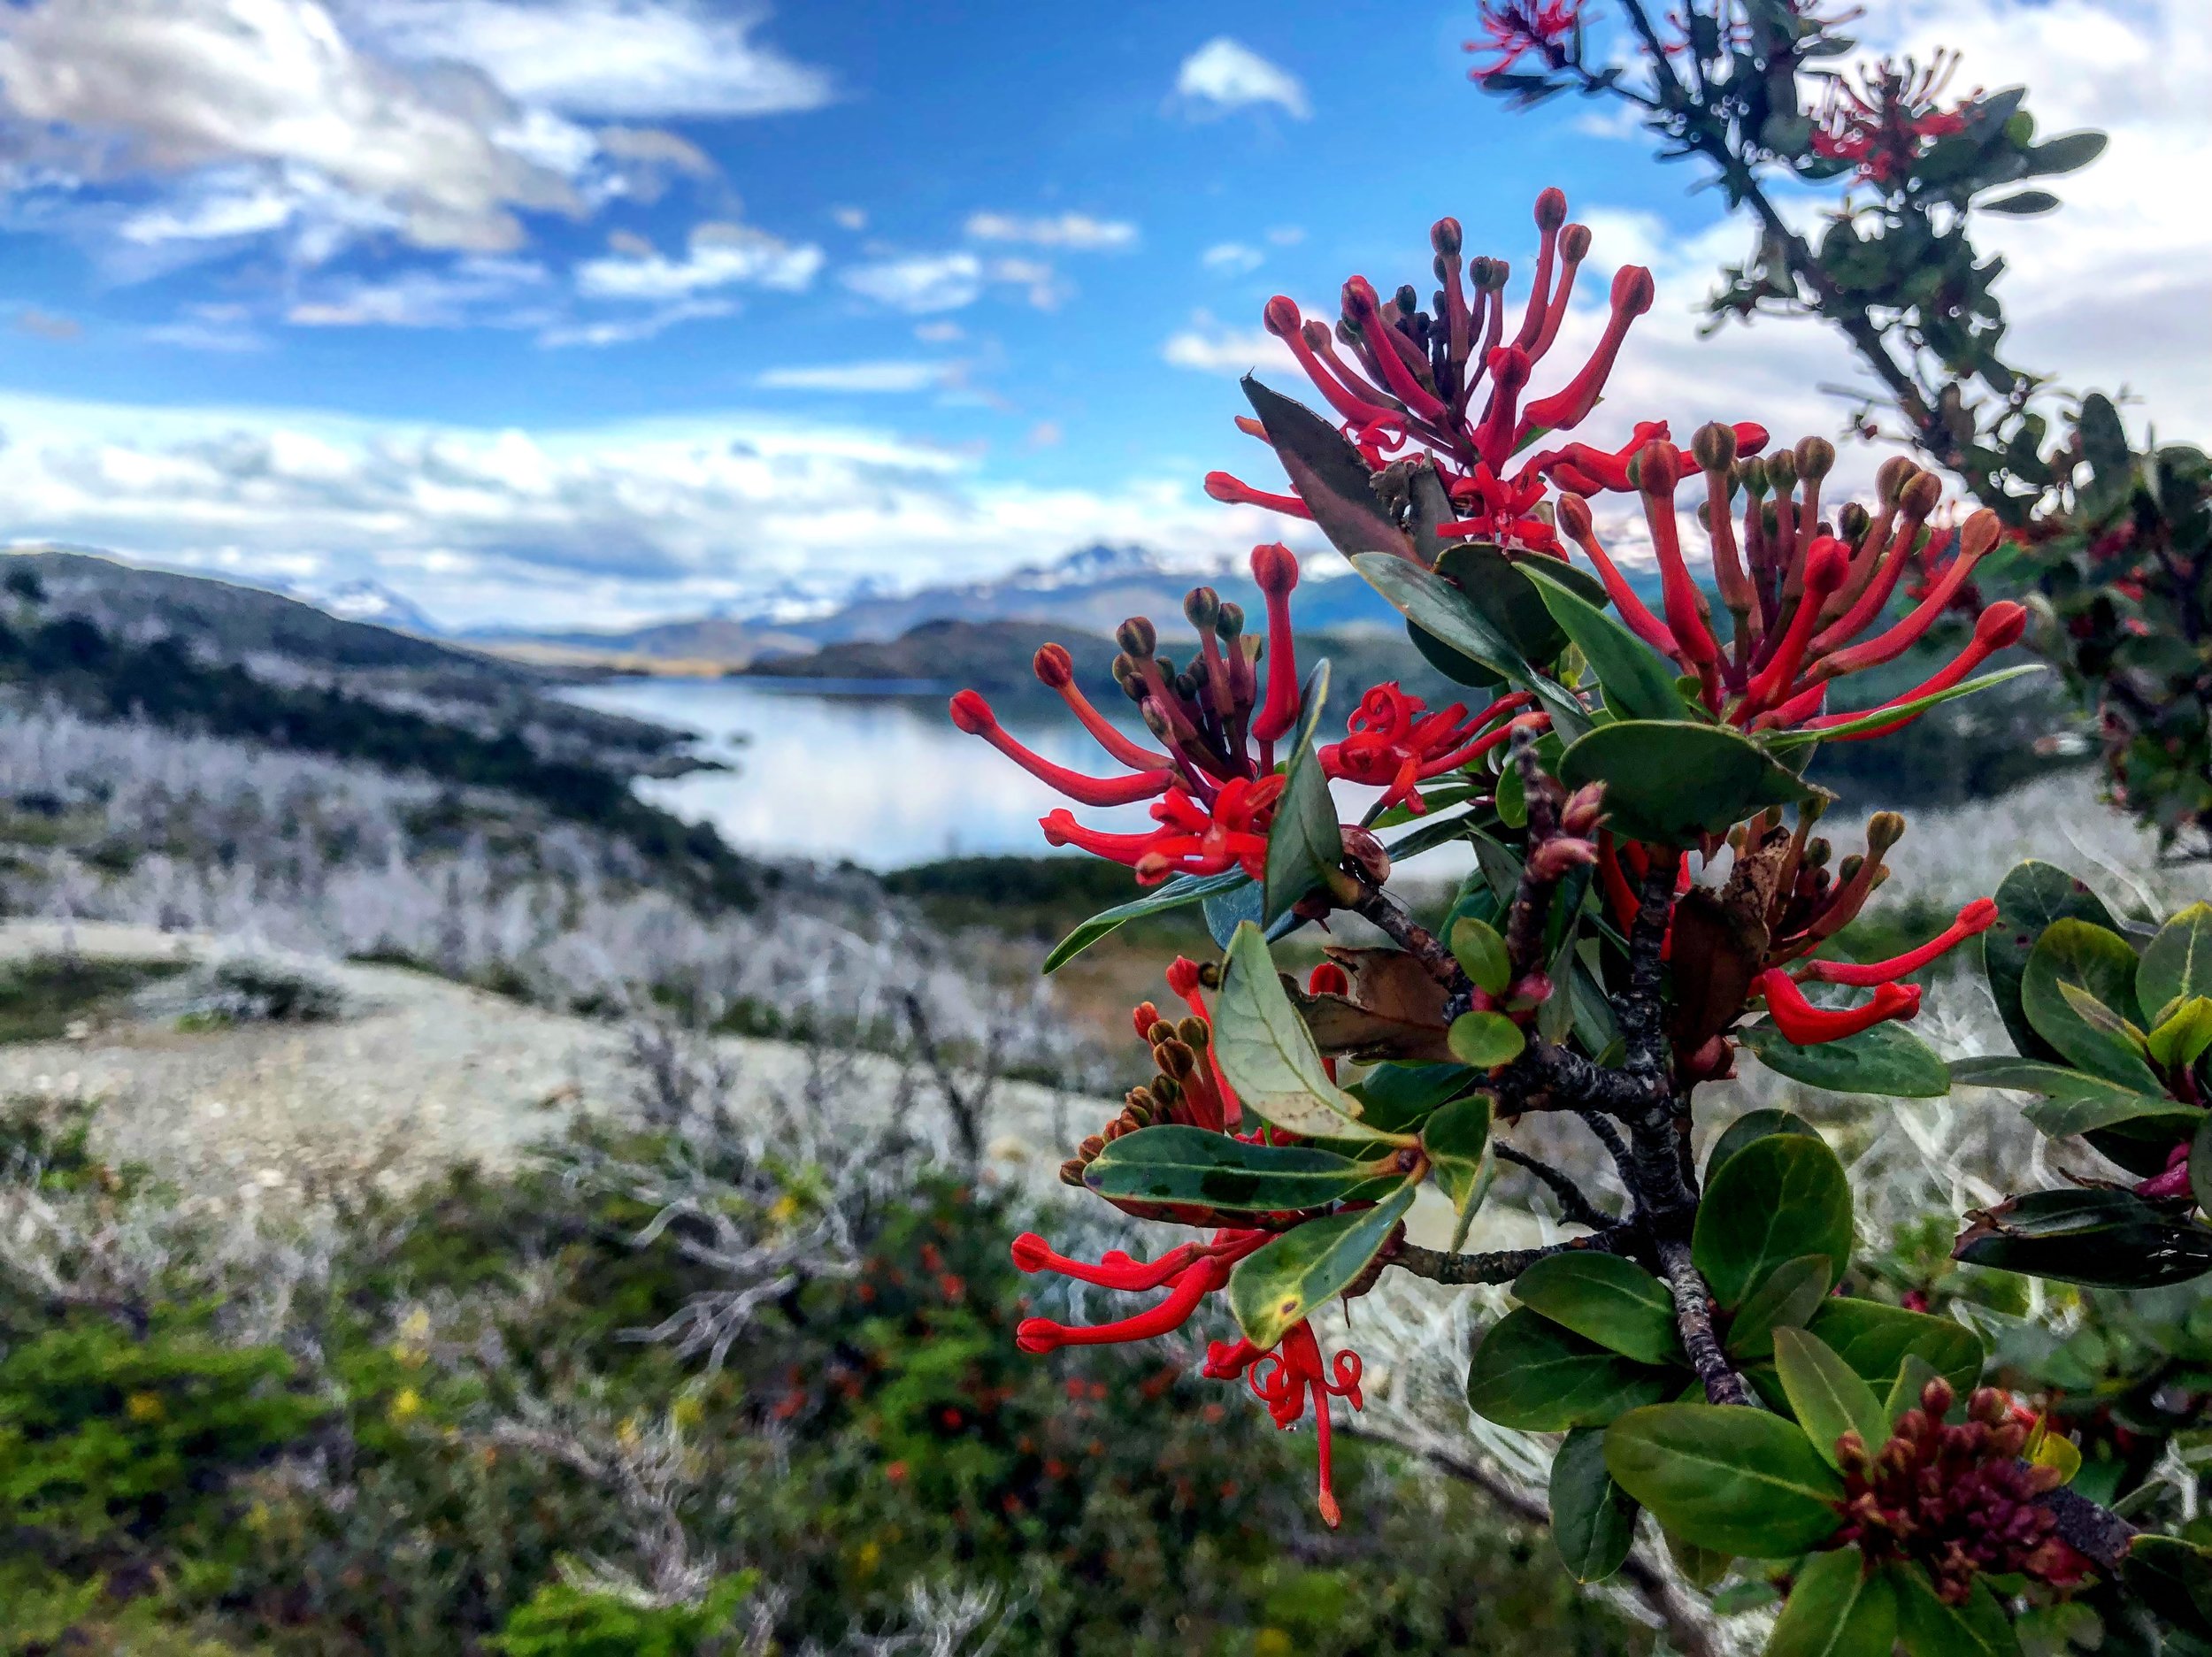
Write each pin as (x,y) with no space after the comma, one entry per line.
(1284,1380)
(1977,917)
(1807,1025)
(1886,123)
(1396,744)
(1550,28)
(1193,839)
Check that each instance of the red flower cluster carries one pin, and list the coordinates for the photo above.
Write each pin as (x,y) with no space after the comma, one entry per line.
(1550,28)
(1412,378)
(1886,123)
(1956,1499)
(1396,744)
(1803,597)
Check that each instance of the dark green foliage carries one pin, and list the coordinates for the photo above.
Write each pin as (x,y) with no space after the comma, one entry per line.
(40,997)
(561,1620)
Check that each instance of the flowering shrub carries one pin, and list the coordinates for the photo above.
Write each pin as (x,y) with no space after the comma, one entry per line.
(1651,902)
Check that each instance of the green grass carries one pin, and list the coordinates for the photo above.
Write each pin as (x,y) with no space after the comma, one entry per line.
(41,997)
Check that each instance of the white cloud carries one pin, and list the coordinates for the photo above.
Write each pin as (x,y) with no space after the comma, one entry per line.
(537,528)
(449,299)
(1223,75)
(1078,232)
(1212,346)
(630,330)
(605,57)
(1232,259)
(849,218)
(921,282)
(720,256)
(941,333)
(172,85)
(884,376)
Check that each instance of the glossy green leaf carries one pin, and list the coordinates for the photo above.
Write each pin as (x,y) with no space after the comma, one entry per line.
(1753,1125)
(2102,1238)
(1613,1302)
(1875,718)
(1503,591)
(1443,611)
(1303,842)
(2177,962)
(2182,1036)
(1777,1199)
(1199,1168)
(1839,1606)
(1485,1040)
(1267,1055)
(1887,1059)
(1395,1097)
(2030,897)
(2073,1101)
(1671,782)
(1827,1394)
(2078,987)
(2173,1578)
(1480,953)
(2022,202)
(1593,1519)
(1305,1268)
(1180,893)
(1530,1374)
(2066,153)
(1638,682)
(1914,1373)
(1791,1295)
(1328,473)
(1453,664)
(1456,1141)
(1722,1476)
(1929,1628)
(1876,1339)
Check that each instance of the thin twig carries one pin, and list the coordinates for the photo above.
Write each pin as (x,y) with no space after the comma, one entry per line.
(1694,1316)
(1574,1205)
(1502,1265)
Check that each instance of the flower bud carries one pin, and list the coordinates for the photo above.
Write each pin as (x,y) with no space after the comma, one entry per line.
(1281,317)
(1658,469)
(1751,437)
(1551,209)
(1890,480)
(1071,1171)
(1632,290)
(1935,1399)
(1479,271)
(1274,568)
(2000,625)
(1138,638)
(1713,446)
(1229,620)
(1194,1033)
(1054,666)
(1154,716)
(1782,471)
(1574,516)
(1500,273)
(1884,830)
(1090,1148)
(1409,302)
(1584,810)
(1752,474)
(1853,521)
(1553,858)
(1815,457)
(1980,533)
(1922,495)
(1445,237)
(972,714)
(1827,565)
(1574,244)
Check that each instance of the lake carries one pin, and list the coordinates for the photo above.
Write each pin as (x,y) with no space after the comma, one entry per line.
(827,770)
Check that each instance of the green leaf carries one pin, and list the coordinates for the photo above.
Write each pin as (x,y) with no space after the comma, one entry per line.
(2097,965)
(2065,153)
(1929,1628)
(1303,842)
(1722,1476)
(1328,473)
(1876,1339)
(1461,669)
(1638,683)
(2184,1036)
(2032,896)
(1440,610)
(2076,1101)
(1530,1374)
(1791,1295)
(1503,591)
(1394,1097)
(2172,1578)
(1308,1267)
(1456,1140)
(1837,1607)
(1613,1302)
(1826,1395)
(2106,1238)
(1593,1519)
(1753,1125)
(1178,894)
(1267,1055)
(2176,963)
(1777,1199)
(1198,1169)
(1480,953)
(2021,201)
(1485,1040)
(1874,718)
(1670,782)
(1887,1059)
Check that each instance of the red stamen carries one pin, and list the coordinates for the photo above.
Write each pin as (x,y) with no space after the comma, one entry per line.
(1899,639)
(1632,291)
(1385,345)
(1574,517)
(1275,570)
(1999,627)
(1231,491)
(973,715)
(1658,472)
(1826,569)
(1055,669)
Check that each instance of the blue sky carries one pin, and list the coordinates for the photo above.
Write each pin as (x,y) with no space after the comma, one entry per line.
(577,311)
